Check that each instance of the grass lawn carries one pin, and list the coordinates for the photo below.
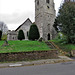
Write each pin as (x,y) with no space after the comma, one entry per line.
(23,46)
(64,47)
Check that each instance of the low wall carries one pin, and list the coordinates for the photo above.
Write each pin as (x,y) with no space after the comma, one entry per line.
(34,55)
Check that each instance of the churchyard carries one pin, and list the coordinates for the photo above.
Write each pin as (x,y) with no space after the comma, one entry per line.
(23,46)
(26,50)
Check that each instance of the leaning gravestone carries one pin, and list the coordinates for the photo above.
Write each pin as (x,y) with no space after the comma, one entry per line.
(5,43)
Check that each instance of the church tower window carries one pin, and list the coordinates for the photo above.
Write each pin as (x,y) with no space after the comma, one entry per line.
(47,1)
(38,2)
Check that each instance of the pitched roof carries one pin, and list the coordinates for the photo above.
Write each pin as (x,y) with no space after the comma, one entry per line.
(23,24)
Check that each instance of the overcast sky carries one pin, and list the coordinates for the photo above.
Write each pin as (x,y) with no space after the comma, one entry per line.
(15,12)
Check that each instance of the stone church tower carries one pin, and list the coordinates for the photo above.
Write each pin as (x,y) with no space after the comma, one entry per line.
(44,18)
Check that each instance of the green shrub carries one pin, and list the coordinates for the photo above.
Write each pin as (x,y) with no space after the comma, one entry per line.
(33,33)
(4,37)
(0,34)
(21,35)
(61,38)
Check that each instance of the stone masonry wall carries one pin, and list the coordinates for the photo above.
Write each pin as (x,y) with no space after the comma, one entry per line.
(44,18)
(22,56)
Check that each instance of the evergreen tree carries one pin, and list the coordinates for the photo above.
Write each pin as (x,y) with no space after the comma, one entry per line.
(21,35)
(66,18)
(33,32)
(0,34)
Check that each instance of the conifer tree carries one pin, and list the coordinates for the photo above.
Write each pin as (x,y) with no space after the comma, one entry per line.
(66,18)
(0,34)
(21,35)
(33,33)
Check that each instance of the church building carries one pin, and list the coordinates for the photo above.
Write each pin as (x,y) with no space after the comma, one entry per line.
(13,35)
(44,19)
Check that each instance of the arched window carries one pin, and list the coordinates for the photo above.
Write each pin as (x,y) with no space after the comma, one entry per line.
(47,1)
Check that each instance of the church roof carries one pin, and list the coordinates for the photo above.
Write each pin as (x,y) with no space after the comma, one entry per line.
(23,24)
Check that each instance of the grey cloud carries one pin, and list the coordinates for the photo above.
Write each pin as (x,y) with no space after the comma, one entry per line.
(16,18)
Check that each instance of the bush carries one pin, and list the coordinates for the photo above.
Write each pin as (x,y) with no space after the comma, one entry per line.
(21,35)
(0,34)
(33,33)
(61,38)
(4,37)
